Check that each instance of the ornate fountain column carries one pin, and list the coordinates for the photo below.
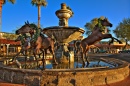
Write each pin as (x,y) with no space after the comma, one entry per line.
(63,14)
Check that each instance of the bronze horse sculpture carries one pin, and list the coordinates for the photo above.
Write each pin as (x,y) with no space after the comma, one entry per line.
(38,41)
(94,37)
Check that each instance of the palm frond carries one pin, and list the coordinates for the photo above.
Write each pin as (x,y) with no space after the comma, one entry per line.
(39,2)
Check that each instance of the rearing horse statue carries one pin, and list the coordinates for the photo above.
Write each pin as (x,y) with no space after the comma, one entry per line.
(96,36)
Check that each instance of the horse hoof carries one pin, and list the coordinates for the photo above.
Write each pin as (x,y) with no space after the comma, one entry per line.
(42,69)
(83,65)
(55,63)
(87,64)
(12,61)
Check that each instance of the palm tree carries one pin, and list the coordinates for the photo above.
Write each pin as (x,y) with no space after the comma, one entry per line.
(39,3)
(1,3)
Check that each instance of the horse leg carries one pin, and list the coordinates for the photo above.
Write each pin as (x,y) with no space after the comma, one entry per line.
(53,53)
(34,53)
(77,55)
(77,51)
(112,40)
(82,56)
(110,36)
(86,55)
(18,64)
(25,59)
(43,59)
(14,58)
(117,40)
(105,36)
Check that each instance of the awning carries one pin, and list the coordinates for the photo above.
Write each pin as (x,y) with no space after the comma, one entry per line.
(11,42)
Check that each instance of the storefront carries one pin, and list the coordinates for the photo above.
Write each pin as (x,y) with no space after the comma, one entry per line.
(9,47)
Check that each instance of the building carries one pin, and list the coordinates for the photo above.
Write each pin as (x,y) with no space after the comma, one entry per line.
(113,48)
(8,45)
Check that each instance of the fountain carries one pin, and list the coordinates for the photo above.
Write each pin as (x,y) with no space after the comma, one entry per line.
(101,70)
(63,33)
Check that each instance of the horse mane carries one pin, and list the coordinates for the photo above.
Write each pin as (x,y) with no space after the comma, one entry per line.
(99,25)
(34,26)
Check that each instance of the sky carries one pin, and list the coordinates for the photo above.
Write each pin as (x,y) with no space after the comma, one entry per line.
(15,15)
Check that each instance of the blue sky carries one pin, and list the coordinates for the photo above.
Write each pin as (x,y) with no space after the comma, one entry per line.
(14,16)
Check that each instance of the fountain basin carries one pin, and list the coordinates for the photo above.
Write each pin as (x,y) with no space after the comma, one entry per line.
(63,34)
(70,77)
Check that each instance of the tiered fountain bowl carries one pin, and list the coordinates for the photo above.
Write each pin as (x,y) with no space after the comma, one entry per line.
(63,33)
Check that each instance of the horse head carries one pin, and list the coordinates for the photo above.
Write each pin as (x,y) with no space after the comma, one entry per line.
(27,28)
(104,22)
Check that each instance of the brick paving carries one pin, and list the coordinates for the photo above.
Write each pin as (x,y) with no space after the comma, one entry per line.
(125,82)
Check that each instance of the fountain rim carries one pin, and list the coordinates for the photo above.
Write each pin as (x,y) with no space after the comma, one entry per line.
(64,27)
(122,64)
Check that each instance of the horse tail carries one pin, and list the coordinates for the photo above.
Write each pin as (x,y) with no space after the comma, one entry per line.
(53,38)
(77,46)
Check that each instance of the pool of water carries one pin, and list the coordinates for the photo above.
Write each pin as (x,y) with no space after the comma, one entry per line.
(73,65)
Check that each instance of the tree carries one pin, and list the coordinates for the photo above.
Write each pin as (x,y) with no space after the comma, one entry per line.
(123,29)
(90,25)
(39,3)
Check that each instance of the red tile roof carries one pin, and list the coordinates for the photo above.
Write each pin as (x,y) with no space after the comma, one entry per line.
(12,42)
